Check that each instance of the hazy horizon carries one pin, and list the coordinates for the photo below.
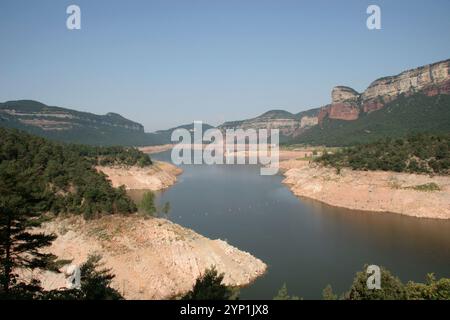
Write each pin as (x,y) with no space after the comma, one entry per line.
(167,63)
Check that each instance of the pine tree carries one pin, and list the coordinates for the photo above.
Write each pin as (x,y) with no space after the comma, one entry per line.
(328,293)
(284,295)
(96,282)
(209,286)
(22,202)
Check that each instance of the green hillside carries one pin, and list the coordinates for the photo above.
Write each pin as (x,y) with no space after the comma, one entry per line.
(63,174)
(419,153)
(72,126)
(406,115)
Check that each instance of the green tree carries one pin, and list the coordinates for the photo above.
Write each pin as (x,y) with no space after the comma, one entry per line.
(209,286)
(391,287)
(96,282)
(166,208)
(23,199)
(147,204)
(432,289)
(328,293)
(284,295)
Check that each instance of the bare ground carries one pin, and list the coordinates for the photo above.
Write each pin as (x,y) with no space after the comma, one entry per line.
(156,149)
(158,176)
(369,191)
(151,258)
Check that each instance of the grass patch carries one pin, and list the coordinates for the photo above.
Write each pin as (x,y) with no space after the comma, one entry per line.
(427,187)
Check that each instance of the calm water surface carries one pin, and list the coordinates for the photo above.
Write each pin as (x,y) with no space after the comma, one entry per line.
(306,244)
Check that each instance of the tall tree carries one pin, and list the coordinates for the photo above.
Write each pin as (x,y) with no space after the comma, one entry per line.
(209,286)
(22,202)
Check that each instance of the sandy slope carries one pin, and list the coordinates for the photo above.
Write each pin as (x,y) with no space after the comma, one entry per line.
(151,258)
(158,176)
(156,149)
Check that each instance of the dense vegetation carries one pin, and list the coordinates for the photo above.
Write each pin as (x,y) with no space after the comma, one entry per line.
(420,153)
(66,173)
(391,288)
(38,177)
(113,155)
(405,115)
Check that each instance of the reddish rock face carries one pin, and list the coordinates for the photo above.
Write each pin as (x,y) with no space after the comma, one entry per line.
(344,105)
(324,113)
(344,111)
(347,104)
(370,106)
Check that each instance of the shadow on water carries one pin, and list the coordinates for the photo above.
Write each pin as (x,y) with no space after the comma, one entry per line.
(306,244)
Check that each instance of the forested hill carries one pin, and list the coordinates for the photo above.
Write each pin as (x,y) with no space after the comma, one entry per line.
(405,115)
(420,153)
(72,126)
(64,175)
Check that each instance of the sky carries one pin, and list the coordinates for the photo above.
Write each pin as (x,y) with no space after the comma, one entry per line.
(169,62)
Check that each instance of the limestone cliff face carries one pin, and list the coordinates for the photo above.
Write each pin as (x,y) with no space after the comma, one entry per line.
(347,104)
(36,114)
(287,123)
(344,104)
(431,79)
(308,121)
(343,94)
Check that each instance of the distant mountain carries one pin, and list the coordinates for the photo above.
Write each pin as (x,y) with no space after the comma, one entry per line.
(73,126)
(348,104)
(289,124)
(166,134)
(415,100)
(405,115)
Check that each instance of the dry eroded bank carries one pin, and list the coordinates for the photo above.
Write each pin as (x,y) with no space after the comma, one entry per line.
(158,176)
(371,191)
(151,258)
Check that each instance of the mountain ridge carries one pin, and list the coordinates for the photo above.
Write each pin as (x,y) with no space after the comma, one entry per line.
(348,109)
(348,105)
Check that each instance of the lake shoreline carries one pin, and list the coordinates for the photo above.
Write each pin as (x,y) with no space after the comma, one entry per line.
(166,258)
(376,191)
(160,175)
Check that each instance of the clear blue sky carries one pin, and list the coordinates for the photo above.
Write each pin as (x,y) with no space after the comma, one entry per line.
(164,63)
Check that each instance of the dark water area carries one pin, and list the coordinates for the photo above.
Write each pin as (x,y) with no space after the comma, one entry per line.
(306,244)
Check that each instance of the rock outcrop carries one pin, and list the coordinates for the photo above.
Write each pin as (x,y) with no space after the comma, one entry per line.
(347,104)
(432,79)
(287,123)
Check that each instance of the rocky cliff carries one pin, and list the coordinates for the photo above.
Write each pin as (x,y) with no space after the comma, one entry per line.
(73,126)
(347,104)
(48,118)
(288,123)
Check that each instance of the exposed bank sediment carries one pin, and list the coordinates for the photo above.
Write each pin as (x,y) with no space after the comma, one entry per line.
(370,190)
(159,175)
(151,258)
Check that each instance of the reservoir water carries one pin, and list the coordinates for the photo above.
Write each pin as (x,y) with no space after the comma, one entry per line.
(306,244)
